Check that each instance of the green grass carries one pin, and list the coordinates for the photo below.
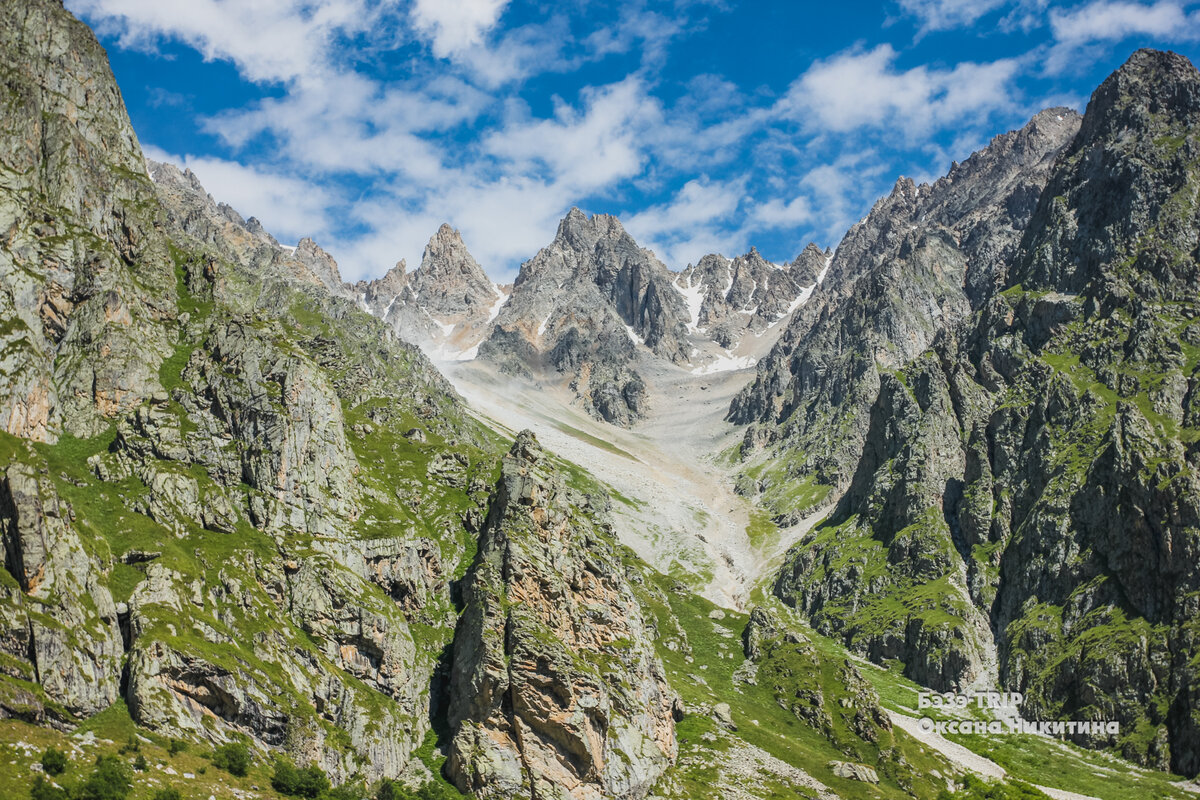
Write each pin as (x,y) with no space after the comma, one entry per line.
(715,646)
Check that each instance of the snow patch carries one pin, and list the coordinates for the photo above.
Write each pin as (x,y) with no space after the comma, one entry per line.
(693,296)
(545,322)
(725,363)
(634,336)
(495,309)
(824,270)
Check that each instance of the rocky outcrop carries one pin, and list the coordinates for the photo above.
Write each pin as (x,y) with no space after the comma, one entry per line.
(586,306)
(60,619)
(446,305)
(555,690)
(223,234)
(86,285)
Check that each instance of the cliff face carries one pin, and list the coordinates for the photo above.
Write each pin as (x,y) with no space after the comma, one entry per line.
(556,690)
(748,294)
(1028,479)
(85,278)
(446,305)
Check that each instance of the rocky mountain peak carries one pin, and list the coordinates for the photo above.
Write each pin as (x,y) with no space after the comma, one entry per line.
(1080,239)
(810,264)
(449,277)
(319,262)
(526,684)
(1149,82)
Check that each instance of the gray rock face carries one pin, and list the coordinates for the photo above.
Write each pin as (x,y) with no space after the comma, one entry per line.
(748,294)
(583,306)
(1035,468)
(555,688)
(226,235)
(920,261)
(85,278)
(70,637)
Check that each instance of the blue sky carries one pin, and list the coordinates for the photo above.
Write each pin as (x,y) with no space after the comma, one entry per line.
(706,125)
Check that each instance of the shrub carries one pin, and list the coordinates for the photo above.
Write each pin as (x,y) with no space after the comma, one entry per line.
(391,790)
(347,791)
(42,789)
(169,793)
(140,763)
(234,758)
(310,782)
(110,780)
(54,761)
(285,777)
(176,747)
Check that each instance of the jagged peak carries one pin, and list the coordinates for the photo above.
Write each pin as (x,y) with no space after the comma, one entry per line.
(812,249)
(1150,83)
(575,224)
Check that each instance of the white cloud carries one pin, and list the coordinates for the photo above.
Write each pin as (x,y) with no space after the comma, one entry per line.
(863,89)
(288,207)
(944,15)
(453,27)
(269,40)
(1080,32)
(941,15)
(1113,21)
(777,213)
(696,221)
(586,150)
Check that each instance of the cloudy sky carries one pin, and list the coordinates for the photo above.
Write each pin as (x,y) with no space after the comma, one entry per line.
(706,125)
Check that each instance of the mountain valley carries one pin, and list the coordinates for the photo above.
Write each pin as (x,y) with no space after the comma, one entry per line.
(612,530)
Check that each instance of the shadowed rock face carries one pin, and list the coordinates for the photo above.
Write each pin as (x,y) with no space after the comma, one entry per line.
(1032,474)
(921,260)
(555,689)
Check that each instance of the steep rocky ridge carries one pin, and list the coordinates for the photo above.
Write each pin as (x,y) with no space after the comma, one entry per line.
(1041,454)
(226,235)
(85,277)
(729,298)
(556,690)
(922,259)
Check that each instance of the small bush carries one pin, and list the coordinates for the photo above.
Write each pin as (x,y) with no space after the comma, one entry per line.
(110,780)
(42,789)
(234,758)
(140,763)
(169,793)
(54,761)
(176,747)
(310,782)
(132,745)
(347,791)
(391,790)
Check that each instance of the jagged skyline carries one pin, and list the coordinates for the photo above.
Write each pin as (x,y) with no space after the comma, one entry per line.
(707,127)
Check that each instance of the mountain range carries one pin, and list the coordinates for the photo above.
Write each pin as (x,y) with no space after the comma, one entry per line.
(612,530)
